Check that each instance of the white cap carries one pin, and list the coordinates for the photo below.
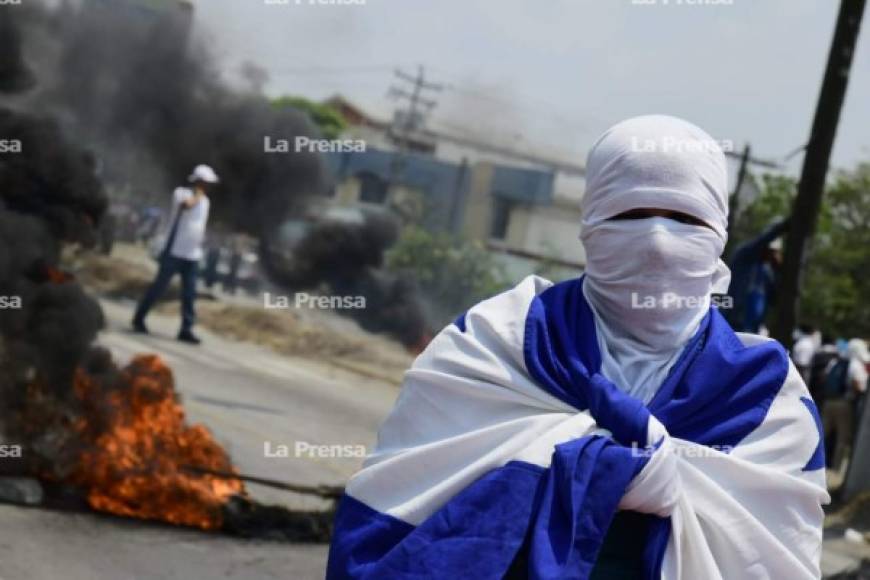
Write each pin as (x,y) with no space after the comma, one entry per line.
(203,173)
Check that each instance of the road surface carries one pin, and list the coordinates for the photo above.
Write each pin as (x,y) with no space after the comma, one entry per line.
(248,396)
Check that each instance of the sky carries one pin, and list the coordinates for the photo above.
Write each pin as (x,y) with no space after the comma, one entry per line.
(552,75)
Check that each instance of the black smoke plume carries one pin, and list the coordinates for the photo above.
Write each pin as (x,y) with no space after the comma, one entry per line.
(140,89)
(348,260)
(49,197)
(145,95)
(14,74)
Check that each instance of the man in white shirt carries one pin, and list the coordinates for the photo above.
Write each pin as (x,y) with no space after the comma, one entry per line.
(857,372)
(803,350)
(182,251)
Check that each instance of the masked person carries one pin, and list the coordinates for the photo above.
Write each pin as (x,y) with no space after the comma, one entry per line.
(612,426)
(182,250)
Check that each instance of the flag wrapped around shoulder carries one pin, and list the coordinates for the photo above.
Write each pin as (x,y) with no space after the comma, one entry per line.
(509,454)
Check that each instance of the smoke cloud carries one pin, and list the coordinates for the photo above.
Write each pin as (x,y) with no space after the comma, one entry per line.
(49,197)
(155,105)
(348,260)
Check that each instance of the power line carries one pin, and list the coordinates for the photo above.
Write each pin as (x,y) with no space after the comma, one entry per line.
(415,115)
(411,88)
(414,95)
(328,70)
(539,106)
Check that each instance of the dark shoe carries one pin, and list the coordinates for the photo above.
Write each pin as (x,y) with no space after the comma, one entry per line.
(139,327)
(188,337)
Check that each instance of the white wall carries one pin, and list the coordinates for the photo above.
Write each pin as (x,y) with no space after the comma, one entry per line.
(553,231)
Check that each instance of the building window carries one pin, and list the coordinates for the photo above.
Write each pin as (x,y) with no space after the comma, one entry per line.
(373,189)
(501,217)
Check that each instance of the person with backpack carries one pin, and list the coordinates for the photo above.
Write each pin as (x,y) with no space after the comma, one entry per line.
(803,351)
(821,363)
(857,375)
(845,385)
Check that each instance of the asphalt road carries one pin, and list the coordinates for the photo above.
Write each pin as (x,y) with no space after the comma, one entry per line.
(248,397)
(36,544)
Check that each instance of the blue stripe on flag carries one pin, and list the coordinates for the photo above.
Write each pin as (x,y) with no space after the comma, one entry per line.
(460,321)
(551,522)
(544,523)
(817,461)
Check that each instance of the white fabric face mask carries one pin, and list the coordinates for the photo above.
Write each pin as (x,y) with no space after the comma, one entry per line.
(653,277)
(649,281)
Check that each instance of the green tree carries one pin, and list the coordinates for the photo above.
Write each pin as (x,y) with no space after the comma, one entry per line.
(834,285)
(327,118)
(452,273)
(773,202)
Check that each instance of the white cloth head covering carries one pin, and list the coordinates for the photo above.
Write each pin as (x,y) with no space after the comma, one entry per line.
(649,281)
(657,161)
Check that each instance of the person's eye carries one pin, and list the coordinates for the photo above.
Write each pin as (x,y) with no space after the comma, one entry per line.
(632,215)
(687,219)
(684,219)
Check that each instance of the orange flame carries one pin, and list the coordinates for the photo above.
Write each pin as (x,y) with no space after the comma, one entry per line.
(137,452)
(56,276)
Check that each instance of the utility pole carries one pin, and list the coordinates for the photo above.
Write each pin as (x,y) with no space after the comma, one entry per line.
(414,95)
(746,159)
(412,89)
(734,202)
(807,203)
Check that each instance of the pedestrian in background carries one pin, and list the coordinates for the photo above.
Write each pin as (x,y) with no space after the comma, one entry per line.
(754,266)
(823,360)
(803,351)
(182,251)
(845,386)
(231,282)
(857,373)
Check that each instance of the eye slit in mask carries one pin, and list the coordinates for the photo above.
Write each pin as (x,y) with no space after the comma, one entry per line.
(644,213)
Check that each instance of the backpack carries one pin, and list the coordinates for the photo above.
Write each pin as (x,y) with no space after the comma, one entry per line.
(835,382)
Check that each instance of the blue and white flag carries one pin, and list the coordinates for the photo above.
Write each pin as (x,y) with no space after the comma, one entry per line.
(508,453)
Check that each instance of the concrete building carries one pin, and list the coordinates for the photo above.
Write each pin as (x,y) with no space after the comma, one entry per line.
(523,207)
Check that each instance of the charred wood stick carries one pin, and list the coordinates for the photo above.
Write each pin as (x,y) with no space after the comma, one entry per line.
(324,491)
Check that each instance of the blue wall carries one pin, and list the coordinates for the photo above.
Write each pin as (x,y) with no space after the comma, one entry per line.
(444,184)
